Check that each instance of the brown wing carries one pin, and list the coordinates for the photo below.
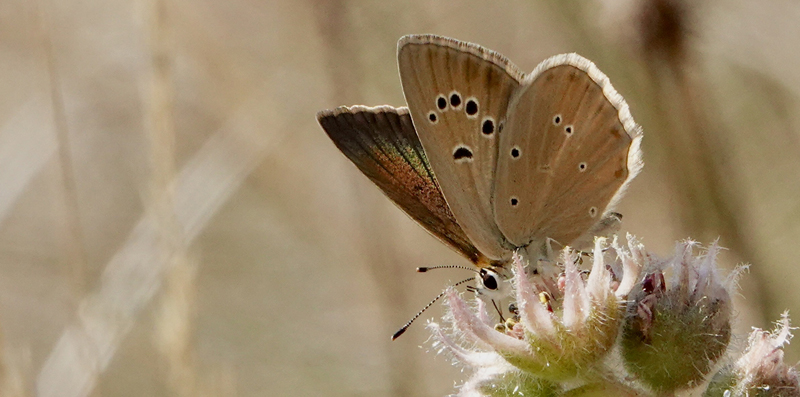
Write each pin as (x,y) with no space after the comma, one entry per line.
(569,148)
(383,144)
(458,93)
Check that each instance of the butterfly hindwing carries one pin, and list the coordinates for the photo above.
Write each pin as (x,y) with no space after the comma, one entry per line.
(568,149)
(457,94)
(382,143)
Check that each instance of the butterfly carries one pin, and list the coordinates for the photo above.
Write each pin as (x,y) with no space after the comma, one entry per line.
(491,160)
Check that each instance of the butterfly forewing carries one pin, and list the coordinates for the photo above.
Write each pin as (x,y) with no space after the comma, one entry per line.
(383,144)
(565,154)
(458,94)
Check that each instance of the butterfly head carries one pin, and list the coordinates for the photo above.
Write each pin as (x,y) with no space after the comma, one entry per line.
(493,280)
(541,267)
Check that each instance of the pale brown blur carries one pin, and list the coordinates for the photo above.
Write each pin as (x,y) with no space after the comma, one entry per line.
(173,221)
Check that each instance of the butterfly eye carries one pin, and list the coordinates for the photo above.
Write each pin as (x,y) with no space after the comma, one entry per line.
(557,119)
(489,279)
(582,166)
(568,130)
(593,212)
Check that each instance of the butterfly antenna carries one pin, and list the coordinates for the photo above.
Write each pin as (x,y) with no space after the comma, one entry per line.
(425,269)
(408,324)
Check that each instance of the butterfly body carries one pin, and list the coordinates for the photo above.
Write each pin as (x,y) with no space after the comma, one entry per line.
(491,160)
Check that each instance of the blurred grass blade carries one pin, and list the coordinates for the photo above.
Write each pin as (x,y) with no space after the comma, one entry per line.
(133,276)
(27,143)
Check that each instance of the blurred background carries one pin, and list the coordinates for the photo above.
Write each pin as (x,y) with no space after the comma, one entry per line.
(173,221)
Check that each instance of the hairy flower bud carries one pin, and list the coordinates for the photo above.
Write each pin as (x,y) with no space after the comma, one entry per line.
(761,370)
(675,332)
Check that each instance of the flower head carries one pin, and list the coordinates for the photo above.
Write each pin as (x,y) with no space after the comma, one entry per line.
(760,371)
(558,336)
(633,325)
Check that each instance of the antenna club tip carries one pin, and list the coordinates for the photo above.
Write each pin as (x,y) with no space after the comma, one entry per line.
(422,269)
(399,332)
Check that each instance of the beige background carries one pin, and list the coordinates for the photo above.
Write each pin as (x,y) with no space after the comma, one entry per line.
(173,221)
